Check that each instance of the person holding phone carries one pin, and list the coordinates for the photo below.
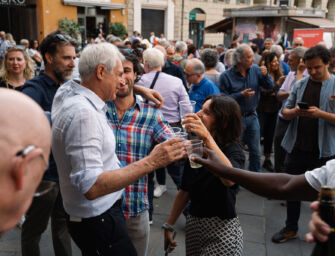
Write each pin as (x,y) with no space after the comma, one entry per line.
(212,226)
(310,137)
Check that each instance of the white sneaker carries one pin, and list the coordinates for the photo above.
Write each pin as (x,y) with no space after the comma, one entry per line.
(159,190)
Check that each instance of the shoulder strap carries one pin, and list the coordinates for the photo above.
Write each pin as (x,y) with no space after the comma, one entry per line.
(153,83)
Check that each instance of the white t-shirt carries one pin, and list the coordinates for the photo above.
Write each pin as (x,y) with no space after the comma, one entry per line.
(323,176)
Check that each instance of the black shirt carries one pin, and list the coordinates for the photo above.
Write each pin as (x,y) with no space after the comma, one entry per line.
(9,86)
(307,133)
(209,197)
(42,89)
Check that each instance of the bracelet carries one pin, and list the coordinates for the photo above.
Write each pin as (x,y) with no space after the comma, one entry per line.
(168,227)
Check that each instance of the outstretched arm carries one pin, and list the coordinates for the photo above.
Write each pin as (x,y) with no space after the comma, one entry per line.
(273,185)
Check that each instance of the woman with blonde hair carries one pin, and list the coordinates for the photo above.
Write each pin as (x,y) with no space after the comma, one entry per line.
(17,68)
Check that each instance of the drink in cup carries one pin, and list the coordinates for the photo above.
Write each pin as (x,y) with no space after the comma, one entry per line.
(186,107)
(194,148)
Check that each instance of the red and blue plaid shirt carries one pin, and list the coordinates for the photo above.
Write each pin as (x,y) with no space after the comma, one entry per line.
(141,127)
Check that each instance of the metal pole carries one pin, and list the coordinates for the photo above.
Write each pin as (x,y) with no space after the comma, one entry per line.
(182,20)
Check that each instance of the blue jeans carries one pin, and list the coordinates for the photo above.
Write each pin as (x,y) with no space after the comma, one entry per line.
(251,135)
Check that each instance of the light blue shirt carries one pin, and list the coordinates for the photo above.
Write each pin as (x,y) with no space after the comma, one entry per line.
(326,132)
(83,145)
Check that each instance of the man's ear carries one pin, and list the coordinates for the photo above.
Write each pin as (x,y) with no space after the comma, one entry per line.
(100,72)
(17,172)
(20,165)
(49,58)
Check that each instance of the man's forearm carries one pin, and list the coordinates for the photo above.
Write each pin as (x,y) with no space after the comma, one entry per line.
(112,181)
(282,95)
(328,117)
(276,186)
(289,114)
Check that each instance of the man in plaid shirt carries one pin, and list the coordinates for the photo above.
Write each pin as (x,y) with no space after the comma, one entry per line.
(137,127)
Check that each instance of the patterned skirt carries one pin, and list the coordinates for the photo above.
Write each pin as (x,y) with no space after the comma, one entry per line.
(213,236)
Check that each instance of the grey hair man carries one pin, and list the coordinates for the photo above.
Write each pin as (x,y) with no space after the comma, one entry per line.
(268,42)
(91,178)
(114,40)
(24,150)
(228,58)
(181,48)
(221,51)
(298,42)
(201,87)
(242,82)
(173,91)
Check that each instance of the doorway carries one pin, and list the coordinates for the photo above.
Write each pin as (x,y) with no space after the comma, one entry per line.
(152,21)
(196,27)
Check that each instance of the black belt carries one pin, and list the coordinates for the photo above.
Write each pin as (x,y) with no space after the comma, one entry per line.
(177,124)
(248,113)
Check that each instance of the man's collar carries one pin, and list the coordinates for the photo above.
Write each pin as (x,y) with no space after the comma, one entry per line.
(48,80)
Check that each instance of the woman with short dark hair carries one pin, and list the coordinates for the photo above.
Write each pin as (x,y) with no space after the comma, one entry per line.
(212,226)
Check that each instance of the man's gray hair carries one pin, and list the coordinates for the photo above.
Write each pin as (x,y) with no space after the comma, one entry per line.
(299,51)
(98,54)
(227,55)
(112,39)
(238,55)
(269,39)
(181,46)
(197,66)
(154,58)
(277,49)
(209,57)
(220,46)
(298,39)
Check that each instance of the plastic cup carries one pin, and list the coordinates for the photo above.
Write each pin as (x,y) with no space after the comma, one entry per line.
(194,148)
(186,107)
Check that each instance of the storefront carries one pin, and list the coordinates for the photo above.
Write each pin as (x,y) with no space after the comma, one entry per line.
(34,19)
(18,17)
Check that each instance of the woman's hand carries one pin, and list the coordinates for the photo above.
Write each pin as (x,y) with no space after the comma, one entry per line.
(168,239)
(194,124)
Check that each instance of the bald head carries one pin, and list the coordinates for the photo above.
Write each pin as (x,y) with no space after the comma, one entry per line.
(23,123)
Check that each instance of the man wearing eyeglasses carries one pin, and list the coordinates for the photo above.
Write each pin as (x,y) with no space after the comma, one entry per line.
(23,153)
(201,87)
(58,52)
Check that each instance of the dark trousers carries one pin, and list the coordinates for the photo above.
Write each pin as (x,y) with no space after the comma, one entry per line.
(296,163)
(37,218)
(103,235)
(268,121)
(280,152)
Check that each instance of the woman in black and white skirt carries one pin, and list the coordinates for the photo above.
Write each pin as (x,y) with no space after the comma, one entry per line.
(212,227)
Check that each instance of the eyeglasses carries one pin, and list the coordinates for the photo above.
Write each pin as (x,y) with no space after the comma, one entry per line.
(188,75)
(45,186)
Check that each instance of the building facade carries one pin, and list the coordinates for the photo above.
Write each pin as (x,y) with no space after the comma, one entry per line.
(34,19)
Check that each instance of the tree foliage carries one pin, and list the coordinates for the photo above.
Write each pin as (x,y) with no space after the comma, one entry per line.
(117,29)
(69,27)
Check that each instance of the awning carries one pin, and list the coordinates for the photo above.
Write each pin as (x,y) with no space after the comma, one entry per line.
(221,26)
(326,24)
(104,4)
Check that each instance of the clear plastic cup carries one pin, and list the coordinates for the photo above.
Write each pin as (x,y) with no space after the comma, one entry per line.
(194,148)
(186,107)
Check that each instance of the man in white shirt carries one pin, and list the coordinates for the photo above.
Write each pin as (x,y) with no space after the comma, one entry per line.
(83,144)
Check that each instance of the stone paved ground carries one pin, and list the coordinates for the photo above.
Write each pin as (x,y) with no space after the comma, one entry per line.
(259,217)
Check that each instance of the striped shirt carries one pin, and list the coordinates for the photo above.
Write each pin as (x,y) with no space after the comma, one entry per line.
(141,127)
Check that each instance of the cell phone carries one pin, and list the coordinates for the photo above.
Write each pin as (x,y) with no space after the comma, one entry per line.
(174,233)
(303,105)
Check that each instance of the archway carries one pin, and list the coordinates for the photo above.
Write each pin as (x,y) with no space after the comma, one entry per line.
(196,26)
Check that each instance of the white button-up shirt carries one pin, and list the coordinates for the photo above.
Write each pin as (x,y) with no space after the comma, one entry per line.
(83,146)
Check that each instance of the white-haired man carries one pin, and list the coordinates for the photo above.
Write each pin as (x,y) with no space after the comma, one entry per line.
(242,82)
(179,59)
(172,90)
(83,144)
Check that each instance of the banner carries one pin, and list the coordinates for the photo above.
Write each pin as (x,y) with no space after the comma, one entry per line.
(311,36)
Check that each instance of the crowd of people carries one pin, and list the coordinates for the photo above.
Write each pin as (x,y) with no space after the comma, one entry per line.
(111,108)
